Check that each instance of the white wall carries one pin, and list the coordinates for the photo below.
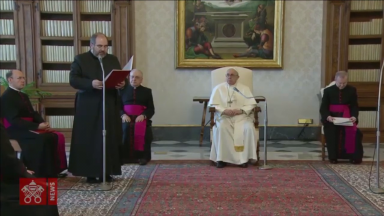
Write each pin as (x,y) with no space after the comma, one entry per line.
(291,92)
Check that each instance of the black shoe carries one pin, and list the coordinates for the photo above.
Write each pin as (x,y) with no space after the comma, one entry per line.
(220,164)
(92,180)
(353,161)
(143,162)
(333,161)
(62,175)
(244,165)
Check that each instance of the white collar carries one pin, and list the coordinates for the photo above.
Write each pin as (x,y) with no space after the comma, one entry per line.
(14,88)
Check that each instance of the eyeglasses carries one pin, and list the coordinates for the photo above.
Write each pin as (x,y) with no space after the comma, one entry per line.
(231,75)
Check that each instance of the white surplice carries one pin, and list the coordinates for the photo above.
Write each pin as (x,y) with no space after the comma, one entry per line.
(234,138)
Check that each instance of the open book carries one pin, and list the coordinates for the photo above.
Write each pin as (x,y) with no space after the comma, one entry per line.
(342,121)
(117,76)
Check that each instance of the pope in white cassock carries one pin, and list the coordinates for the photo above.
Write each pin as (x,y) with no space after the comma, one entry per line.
(234,135)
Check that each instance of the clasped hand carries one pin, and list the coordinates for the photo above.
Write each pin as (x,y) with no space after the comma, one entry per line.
(45,126)
(232,112)
(330,119)
(97,84)
(126,118)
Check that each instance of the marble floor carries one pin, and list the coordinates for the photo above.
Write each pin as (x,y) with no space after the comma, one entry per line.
(276,150)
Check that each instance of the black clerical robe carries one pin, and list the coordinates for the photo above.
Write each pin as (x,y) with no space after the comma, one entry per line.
(86,154)
(39,151)
(142,97)
(11,169)
(343,142)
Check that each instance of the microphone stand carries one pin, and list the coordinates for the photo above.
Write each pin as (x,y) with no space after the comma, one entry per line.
(104,185)
(377,189)
(265,166)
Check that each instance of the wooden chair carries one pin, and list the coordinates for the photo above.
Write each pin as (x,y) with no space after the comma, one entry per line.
(246,78)
(322,139)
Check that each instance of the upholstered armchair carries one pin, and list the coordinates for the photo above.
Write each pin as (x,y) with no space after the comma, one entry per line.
(322,139)
(246,78)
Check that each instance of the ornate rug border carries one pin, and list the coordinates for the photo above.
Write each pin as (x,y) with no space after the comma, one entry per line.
(130,199)
(356,200)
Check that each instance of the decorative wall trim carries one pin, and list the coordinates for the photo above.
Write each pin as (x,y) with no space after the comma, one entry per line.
(183,133)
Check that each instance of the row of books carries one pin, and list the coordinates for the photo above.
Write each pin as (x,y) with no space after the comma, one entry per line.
(60,121)
(61,6)
(7,27)
(3,72)
(88,6)
(56,28)
(366,52)
(62,53)
(90,27)
(367,119)
(96,6)
(56,76)
(366,5)
(86,49)
(57,53)
(364,75)
(374,27)
(64,28)
(8,52)
(6,5)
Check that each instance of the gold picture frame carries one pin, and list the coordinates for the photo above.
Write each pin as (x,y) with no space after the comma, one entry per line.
(252,61)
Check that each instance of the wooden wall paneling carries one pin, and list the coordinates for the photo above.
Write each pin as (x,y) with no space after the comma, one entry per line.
(122,29)
(25,11)
(335,36)
(76,27)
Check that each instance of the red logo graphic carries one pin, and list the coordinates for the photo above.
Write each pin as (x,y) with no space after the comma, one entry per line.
(33,191)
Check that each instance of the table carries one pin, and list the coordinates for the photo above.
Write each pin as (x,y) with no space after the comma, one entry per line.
(204,101)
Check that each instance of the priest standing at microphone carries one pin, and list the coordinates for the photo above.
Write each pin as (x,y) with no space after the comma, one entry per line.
(86,75)
(234,138)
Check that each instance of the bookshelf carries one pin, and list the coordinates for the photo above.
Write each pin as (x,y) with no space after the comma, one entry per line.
(47,35)
(354,36)
(8,44)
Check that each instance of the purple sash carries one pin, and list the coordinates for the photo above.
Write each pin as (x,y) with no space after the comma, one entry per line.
(140,127)
(60,147)
(350,131)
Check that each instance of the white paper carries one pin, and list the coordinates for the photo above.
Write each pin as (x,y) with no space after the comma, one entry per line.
(342,121)
(128,66)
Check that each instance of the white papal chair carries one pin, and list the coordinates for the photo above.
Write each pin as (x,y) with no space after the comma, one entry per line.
(323,143)
(246,78)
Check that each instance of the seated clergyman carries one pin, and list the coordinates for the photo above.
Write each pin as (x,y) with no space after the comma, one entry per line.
(43,149)
(234,136)
(136,115)
(340,100)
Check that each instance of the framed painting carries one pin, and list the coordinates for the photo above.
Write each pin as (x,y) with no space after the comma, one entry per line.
(220,33)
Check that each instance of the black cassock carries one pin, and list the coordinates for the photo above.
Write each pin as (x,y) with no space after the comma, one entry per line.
(11,170)
(338,138)
(39,151)
(86,154)
(137,96)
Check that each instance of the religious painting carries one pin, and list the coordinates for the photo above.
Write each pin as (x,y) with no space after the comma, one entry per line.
(220,33)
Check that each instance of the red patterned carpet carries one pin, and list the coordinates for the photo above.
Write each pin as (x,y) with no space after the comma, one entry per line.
(197,188)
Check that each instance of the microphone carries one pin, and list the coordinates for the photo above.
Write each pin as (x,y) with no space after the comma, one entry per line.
(104,185)
(265,166)
(377,189)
